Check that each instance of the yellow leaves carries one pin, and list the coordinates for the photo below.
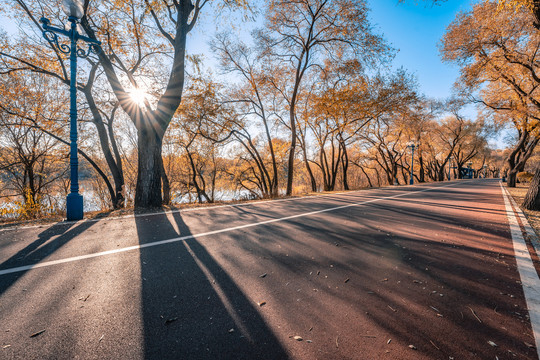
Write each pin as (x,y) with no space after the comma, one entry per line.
(516,4)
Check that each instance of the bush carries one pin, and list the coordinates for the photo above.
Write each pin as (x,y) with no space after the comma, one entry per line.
(524,177)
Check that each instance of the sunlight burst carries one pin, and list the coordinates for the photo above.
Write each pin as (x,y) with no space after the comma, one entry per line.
(138,96)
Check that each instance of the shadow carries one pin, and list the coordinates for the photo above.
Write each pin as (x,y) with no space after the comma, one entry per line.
(61,233)
(443,281)
(191,308)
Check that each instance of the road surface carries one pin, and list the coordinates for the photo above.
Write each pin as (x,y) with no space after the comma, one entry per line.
(416,272)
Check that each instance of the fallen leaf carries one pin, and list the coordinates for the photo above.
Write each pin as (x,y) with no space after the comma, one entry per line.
(263,275)
(347,280)
(6,346)
(298,338)
(37,333)
(101,338)
(385,279)
(262,303)
(492,343)
(389,341)
(412,347)
(528,345)
(168,321)
(309,341)
(231,330)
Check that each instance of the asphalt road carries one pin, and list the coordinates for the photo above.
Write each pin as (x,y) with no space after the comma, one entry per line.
(421,272)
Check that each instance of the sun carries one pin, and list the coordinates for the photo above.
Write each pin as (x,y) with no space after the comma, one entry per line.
(138,96)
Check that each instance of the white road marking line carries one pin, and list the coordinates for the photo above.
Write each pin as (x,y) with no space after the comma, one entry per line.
(209,207)
(527,272)
(183,238)
(528,228)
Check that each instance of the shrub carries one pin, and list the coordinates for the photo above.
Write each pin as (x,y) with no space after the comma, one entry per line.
(524,177)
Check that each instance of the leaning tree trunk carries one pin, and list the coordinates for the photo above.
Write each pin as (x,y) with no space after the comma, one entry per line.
(148,189)
(532,199)
(512,178)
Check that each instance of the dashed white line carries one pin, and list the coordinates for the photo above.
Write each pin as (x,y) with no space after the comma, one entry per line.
(183,238)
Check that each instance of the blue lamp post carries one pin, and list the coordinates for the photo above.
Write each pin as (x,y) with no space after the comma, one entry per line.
(74,10)
(412,146)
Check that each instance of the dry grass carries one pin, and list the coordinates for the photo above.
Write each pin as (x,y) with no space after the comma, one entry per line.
(518,193)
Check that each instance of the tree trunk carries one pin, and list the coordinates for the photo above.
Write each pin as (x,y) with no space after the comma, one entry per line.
(367,176)
(148,189)
(308,167)
(512,177)
(532,199)
(422,177)
(115,165)
(345,166)
(166,185)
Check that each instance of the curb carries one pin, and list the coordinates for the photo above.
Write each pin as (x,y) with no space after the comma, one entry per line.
(530,233)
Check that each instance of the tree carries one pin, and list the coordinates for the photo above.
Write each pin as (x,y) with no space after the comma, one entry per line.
(201,122)
(255,100)
(172,21)
(31,160)
(503,54)
(25,56)
(298,32)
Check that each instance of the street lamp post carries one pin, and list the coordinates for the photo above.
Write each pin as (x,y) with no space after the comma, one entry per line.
(412,146)
(74,10)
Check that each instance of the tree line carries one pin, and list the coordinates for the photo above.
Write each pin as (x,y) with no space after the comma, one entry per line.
(310,102)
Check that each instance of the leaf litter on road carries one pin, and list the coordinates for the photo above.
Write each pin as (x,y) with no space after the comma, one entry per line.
(476,316)
(170,320)
(37,333)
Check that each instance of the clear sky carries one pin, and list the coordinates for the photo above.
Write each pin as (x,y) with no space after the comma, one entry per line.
(415,28)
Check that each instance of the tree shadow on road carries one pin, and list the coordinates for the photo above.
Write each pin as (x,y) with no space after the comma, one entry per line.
(40,249)
(192,309)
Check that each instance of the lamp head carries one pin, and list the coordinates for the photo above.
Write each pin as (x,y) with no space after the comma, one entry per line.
(44,21)
(73,8)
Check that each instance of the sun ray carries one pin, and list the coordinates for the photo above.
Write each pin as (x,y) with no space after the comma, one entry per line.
(138,96)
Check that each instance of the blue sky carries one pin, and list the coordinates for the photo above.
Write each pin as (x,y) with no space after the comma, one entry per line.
(415,28)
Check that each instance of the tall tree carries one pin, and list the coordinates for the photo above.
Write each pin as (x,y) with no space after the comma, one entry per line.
(172,21)
(298,32)
(26,55)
